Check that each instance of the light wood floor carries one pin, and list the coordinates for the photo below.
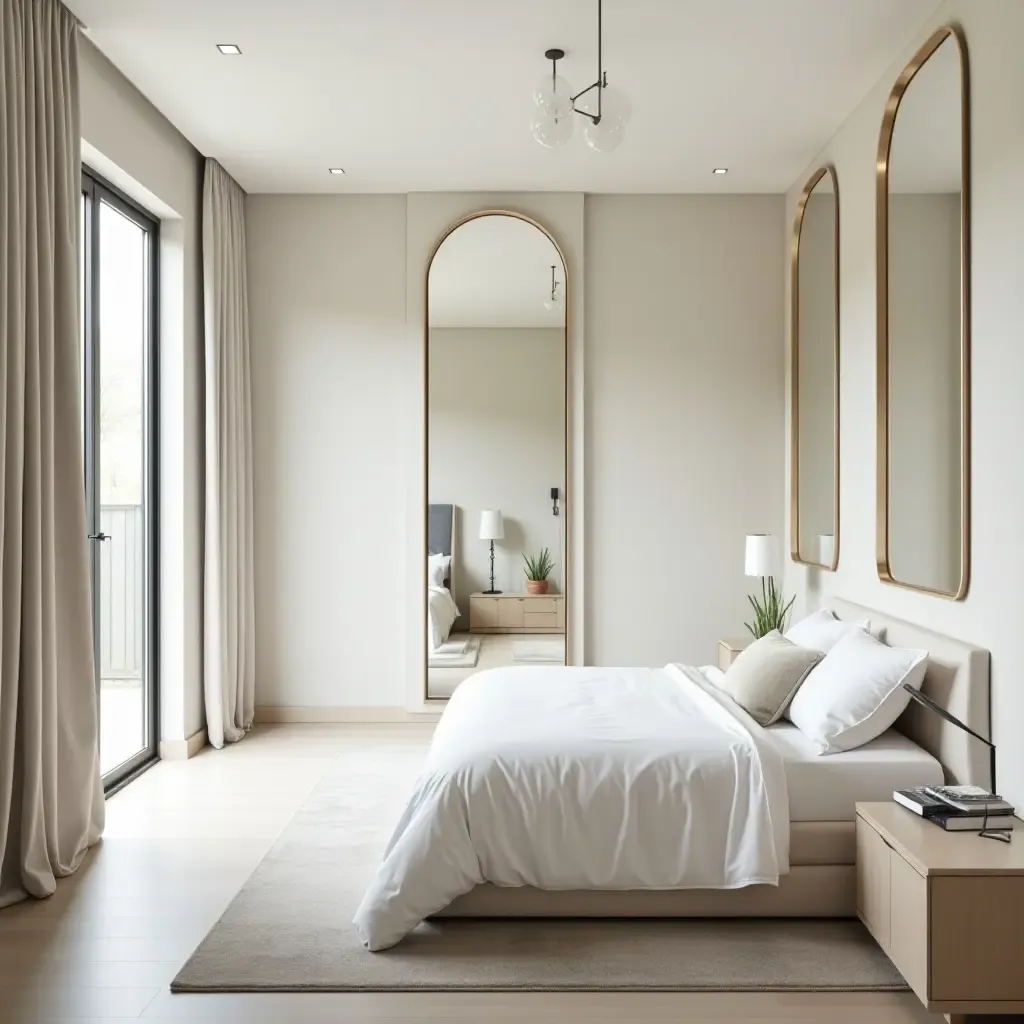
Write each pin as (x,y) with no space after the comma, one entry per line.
(182,839)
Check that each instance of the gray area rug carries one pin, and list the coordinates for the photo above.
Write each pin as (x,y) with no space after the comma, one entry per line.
(289,928)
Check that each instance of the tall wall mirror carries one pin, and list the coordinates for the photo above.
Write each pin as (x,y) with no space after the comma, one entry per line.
(814,369)
(923,362)
(496,450)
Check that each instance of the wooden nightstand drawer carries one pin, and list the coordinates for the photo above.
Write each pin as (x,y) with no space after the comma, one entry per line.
(908,924)
(873,882)
(483,612)
(539,620)
(510,613)
(541,606)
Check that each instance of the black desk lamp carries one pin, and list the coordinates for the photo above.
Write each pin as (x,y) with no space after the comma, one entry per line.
(926,701)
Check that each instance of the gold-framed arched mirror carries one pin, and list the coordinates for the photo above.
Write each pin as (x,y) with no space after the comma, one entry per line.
(924,323)
(496,451)
(814,374)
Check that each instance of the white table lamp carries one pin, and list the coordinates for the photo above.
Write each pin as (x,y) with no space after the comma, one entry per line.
(760,559)
(492,528)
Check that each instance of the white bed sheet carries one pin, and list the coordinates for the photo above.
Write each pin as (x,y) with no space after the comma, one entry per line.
(583,778)
(825,787)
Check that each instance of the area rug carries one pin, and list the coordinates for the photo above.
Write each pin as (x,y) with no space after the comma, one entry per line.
(466,658)
(289,928)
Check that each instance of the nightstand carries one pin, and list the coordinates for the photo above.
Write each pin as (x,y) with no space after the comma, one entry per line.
(729,651)
(947,907)
(517,613)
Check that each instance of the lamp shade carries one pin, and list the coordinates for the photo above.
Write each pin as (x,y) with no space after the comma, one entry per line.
(491,526)
(760,560)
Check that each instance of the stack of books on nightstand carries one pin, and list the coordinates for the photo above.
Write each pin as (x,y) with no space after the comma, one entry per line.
(958,808)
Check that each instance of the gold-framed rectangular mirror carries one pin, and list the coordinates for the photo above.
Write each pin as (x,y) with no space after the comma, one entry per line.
(496,338)
(814,374)
(924,323)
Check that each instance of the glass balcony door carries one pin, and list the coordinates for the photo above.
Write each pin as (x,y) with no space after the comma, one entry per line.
(118,333)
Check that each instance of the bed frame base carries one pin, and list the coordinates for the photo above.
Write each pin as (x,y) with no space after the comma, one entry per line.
(818,890)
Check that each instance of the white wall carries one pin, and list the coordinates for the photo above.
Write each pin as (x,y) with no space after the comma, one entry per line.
(497,440)
(127,140)
(674,443)
(990,614)
(684,396)
(333,433)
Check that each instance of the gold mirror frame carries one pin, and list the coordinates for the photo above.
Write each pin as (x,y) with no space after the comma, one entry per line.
(567,419)
(882,354)
(794,377)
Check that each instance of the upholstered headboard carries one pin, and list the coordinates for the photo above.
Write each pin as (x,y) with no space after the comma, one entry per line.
(441,534)
(957,680)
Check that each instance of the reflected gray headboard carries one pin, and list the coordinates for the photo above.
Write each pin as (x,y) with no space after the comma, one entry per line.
(441,534)
(957,680)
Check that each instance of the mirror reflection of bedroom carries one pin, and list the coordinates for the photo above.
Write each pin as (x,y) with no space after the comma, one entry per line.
(496,451)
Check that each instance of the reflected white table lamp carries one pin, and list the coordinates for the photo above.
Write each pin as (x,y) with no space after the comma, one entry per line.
(826,549)
(492,528)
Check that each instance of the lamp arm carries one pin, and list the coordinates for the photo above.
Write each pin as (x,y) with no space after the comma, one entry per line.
(926,701)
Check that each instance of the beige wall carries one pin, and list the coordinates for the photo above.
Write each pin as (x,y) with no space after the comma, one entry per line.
(684,418)
(990,615)
(497,440)
(127,140)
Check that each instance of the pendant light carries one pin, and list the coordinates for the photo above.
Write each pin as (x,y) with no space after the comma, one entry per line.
(555,300)
(606,110)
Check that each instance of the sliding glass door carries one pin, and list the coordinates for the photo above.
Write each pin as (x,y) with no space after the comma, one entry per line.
(118,349)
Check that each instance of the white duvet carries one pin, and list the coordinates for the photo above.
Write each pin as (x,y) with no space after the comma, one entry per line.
(583,778)
(441,615)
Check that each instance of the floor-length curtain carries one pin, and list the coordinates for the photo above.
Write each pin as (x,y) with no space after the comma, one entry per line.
(229,669)
(51,797)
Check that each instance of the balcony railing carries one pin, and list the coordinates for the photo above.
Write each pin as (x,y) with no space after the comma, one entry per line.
(122,592)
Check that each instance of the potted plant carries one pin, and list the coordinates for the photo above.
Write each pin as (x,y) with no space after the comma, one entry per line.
(538,569)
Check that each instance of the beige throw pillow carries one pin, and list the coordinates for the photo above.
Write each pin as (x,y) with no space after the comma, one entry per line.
(764,678)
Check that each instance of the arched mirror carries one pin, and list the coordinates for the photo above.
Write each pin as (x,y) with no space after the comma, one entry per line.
(923,198)
(814,369)
(496,354)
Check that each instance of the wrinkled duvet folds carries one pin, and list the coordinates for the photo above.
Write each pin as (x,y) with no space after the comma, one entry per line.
(583,778)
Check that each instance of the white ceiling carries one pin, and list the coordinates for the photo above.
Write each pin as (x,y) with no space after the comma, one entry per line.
(494,272)
(434,95)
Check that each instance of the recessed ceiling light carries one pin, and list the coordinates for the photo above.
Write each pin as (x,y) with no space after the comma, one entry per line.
(230,49)
(720,170)
(337,170)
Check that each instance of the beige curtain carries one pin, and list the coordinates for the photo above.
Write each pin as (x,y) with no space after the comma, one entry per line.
(229,668)
(51,798)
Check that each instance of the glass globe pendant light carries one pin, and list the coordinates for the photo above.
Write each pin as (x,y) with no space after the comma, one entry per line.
(555,104)
(552,120)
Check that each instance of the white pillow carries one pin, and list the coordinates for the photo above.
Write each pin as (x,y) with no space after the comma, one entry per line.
(821,630)
(437,569)
(856,692)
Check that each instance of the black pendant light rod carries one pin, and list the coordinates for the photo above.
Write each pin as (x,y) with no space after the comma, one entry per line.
(602,77)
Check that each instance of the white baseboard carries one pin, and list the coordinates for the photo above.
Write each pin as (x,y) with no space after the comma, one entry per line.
(182,750)
(278,713)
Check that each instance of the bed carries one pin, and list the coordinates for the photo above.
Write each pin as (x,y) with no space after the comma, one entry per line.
(813,834)
(441,608)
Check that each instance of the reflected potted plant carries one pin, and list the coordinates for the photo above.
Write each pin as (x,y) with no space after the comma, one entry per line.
(538,569)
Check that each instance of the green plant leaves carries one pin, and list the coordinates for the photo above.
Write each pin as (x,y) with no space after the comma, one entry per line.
(770,612)
(539,567)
